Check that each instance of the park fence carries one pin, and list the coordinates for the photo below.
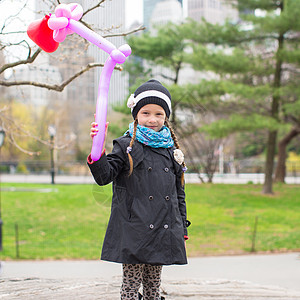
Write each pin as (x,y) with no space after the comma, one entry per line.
(243,171)
(79,167)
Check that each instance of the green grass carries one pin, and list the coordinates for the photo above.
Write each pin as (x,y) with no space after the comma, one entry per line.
(223,218)
(69,222)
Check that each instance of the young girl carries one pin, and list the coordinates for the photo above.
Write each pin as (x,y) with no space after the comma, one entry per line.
(147,226)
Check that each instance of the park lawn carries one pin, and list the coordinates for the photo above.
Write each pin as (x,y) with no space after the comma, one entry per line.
(69,221)
(223,219)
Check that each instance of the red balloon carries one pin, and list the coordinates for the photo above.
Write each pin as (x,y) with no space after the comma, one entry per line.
(42,35)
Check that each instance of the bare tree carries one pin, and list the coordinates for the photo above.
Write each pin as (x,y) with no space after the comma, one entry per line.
(33,53)
(15,42)
(202,152)
(14,130)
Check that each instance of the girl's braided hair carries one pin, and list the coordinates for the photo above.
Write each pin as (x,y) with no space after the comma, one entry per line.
(174,137)
(176,143)
(130,146)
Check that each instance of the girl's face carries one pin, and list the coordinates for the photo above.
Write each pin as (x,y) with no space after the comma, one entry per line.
(151,116)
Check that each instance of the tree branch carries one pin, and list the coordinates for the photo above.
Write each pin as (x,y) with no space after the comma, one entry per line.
(125,33)
(56,87)
(13,32)
(93,7)
(12,16)
(166,76)
(29,60)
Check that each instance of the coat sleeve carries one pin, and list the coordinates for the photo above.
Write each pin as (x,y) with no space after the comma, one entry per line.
(108,167)
(181,203)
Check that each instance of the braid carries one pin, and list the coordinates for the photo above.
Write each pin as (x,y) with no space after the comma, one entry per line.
(130,145)
(176,143)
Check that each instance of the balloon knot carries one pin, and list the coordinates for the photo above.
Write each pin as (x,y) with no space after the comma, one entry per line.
(60,21)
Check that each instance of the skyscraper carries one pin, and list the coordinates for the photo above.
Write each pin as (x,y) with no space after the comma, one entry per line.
(166,11)
(149,6)
(213,11)
(109,19)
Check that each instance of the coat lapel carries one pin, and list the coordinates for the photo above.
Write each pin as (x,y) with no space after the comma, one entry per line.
(162,151)
(137,153)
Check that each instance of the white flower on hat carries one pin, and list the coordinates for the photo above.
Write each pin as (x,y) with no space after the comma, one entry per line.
(178,156)
(131,103)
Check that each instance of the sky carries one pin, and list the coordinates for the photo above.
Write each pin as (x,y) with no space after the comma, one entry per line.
(134,11)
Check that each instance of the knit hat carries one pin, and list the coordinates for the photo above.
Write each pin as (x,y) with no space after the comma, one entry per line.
(150,92)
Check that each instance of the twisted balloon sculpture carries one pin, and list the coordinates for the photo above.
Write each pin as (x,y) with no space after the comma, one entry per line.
(53,29)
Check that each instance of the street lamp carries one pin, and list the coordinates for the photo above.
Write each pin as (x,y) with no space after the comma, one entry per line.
(52,133)
(2,136)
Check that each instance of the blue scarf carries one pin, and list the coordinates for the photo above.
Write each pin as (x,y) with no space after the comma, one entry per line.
(152,138)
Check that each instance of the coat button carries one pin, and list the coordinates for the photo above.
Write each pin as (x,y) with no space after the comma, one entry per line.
(150,197)
(150,169)
(151,226)
(167,198)
(166,169)
(166,226)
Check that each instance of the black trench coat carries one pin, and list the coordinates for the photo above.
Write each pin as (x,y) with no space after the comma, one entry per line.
(148,212)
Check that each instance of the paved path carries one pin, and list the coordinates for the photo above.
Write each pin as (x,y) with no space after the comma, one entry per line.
(255,277)
(190,178)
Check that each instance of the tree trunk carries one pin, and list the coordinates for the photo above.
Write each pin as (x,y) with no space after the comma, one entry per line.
(173,116)
(174,104)
(271,146)
(280,172)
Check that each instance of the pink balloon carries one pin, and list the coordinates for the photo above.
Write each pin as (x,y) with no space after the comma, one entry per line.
(76,11)
(64,22)
(58,23)
(101,107)
(91,36)
(63,10)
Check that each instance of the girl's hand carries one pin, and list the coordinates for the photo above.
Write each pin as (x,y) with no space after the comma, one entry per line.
(95,130)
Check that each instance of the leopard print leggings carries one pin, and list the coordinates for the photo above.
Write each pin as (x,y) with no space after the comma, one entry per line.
(134,275)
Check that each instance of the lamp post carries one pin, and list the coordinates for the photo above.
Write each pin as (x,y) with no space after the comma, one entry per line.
(2,136)
(52,133)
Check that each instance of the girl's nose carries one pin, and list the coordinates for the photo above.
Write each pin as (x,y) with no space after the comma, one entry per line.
(152,120)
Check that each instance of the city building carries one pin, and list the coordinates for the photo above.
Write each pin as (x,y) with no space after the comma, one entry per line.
(109,20)
(40,72)
(149,6)
(75,53)
(213,11)
(166,11)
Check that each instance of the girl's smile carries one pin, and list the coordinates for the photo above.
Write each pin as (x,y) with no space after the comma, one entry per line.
(152,116)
